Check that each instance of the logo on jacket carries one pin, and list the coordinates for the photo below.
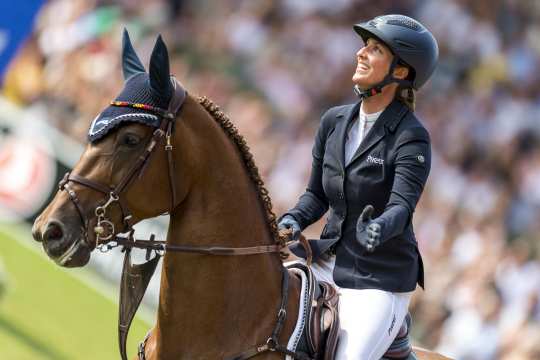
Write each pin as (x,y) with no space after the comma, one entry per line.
(375,160)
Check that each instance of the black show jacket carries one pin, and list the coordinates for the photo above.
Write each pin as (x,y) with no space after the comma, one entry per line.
(389,171)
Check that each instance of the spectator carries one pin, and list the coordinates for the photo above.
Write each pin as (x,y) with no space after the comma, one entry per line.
(274,66)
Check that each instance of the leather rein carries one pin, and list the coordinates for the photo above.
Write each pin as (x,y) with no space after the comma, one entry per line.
(107,238)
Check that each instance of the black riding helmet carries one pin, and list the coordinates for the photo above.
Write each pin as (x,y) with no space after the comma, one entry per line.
(410,42)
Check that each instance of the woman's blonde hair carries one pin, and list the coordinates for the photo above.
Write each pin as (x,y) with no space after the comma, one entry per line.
(406,95)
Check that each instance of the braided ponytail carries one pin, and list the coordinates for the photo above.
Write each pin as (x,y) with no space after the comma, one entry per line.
(406,95)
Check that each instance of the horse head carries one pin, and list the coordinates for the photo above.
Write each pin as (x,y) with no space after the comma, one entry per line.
(106,191)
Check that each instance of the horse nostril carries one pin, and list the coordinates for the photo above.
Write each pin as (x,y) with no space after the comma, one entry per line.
(54,232)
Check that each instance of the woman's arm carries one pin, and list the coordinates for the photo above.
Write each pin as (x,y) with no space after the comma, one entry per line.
(412,166)
(313,204)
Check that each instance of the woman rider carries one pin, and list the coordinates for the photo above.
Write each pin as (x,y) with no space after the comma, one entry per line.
(371,161)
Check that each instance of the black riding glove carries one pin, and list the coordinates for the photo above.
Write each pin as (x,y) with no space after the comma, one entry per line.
(289,222)
(368,232)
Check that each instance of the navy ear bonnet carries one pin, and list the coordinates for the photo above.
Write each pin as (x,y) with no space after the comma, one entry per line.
(136,90)
(148,96)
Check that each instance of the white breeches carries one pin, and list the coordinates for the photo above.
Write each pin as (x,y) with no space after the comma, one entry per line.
(370,318)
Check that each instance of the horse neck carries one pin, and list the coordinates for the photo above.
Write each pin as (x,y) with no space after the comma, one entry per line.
(207,293)
(223,203)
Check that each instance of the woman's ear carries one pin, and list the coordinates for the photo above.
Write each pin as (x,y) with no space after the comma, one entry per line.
(401,72)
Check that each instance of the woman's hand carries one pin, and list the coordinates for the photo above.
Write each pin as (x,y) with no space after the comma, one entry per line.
(290,223)
(368,232)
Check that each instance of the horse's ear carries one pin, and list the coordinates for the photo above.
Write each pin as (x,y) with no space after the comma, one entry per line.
(131,64)
(159,69)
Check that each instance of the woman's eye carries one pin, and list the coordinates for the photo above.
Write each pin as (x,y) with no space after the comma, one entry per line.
(130,140)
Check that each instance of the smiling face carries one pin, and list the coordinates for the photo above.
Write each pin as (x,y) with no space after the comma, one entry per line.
(373,63)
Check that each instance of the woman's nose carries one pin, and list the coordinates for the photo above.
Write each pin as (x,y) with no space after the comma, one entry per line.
(361,52)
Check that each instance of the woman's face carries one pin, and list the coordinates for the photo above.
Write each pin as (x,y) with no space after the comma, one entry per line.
(374,61)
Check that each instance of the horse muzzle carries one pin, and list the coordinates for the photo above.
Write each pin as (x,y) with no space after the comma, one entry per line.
(64,244)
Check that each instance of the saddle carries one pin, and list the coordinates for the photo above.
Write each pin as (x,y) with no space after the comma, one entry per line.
(317,332)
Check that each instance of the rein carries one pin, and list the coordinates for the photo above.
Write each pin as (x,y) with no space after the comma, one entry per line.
(134,285)
(161,246)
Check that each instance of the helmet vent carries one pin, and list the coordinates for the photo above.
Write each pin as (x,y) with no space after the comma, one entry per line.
(402,21)
(404,44)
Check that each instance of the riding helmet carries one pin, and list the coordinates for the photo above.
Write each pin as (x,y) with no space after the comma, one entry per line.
(409,41)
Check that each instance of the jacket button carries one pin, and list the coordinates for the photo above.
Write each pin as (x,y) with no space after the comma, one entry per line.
(340,195)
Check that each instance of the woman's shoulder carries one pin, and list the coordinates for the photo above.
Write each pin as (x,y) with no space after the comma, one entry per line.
(337,113)
(411,128)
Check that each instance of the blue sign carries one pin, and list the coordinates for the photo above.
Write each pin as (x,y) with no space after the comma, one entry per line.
(16,23)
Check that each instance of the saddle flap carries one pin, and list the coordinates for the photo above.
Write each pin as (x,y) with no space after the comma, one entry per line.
(323,323)
(321,326)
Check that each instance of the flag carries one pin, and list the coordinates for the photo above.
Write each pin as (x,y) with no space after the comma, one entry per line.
(16,23)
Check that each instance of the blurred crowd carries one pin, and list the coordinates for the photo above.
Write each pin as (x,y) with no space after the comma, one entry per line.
(275,66)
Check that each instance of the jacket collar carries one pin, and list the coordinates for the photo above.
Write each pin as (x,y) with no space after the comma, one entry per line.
(349,110)
(389,119)
(393,113)
(348,114)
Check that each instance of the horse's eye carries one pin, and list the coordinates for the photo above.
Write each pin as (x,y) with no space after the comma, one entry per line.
(130,140)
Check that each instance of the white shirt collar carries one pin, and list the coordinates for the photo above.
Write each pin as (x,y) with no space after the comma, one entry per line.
(370,118)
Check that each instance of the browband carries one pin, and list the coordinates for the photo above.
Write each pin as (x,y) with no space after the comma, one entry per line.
(149,115)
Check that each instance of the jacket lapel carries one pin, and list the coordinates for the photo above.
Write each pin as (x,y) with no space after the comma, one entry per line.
(389,118)
(348,115)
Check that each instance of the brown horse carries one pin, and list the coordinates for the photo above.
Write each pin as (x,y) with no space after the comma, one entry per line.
(199,169)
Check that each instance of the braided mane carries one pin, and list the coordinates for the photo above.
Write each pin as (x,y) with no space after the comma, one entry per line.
(232,132)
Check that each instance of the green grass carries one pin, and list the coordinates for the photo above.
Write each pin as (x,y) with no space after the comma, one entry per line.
(48,312)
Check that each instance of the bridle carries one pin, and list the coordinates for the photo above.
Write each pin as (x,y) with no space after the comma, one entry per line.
(107,238)
(104,229)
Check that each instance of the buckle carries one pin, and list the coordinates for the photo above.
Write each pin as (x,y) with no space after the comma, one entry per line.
(271,343)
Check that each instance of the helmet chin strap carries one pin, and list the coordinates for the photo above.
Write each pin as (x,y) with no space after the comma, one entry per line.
(377,89)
